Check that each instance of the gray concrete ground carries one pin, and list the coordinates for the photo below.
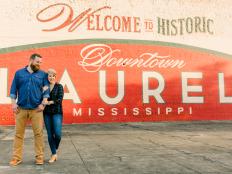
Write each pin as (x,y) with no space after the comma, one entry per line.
(130,148)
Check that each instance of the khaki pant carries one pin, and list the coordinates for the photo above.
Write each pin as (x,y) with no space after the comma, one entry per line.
(37,126)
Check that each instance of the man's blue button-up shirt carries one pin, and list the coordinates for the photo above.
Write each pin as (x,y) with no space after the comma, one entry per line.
(29,88)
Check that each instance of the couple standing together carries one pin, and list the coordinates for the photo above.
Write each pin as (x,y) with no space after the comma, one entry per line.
(39,99)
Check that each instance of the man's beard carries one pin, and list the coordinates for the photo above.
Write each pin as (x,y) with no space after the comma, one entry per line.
(34,67)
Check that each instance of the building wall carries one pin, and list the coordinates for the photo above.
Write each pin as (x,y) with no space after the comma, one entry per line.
(124,61)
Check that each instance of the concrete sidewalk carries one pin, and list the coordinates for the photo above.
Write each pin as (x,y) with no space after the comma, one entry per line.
(130,148)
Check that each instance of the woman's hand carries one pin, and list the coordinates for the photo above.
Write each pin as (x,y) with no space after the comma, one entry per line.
(50,102)
(40,108)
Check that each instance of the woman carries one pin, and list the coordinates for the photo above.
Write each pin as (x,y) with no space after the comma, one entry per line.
(53,114)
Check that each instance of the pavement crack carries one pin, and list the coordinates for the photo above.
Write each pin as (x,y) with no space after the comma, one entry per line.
(79,154)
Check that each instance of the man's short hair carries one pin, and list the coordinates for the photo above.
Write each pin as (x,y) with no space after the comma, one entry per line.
(33,56)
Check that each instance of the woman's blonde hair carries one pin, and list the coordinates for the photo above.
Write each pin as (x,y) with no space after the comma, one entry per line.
(51,71)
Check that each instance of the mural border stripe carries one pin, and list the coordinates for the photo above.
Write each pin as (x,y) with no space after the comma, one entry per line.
(110,41)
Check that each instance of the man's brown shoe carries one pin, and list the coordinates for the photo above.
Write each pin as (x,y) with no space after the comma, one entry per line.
(15,162)
(39,161)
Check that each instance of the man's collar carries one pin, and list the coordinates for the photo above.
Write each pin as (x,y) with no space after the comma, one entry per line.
(29,69)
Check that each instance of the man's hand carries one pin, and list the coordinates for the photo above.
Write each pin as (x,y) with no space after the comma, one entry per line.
(15,108)
(40,108)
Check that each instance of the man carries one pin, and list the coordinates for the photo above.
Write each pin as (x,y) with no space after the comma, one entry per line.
(30,87)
